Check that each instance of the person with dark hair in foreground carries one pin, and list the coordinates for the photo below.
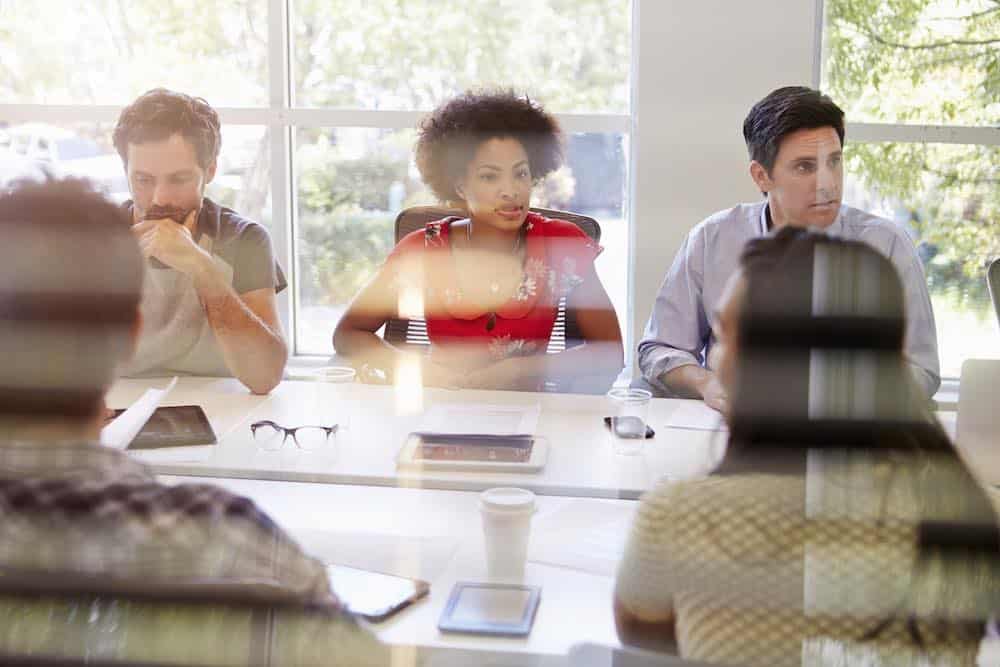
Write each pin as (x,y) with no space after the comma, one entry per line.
(805,545)
(795,140)
(77,512)
(209,305)
(488,283)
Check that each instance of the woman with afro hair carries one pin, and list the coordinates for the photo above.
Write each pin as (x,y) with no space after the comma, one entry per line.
(488,281)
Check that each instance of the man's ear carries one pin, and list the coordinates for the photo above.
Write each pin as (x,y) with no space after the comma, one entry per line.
(460,191)
(760,176)
(210,172)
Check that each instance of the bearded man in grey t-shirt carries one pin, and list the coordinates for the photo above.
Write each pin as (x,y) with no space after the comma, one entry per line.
(209,298)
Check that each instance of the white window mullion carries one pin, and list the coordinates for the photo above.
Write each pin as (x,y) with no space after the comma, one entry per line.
(930,134)
(401,120)
(280,139)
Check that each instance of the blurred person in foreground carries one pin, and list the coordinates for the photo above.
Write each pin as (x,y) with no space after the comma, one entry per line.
(488,281)
(209,301)
(73,510)
(807,543)
(795,140)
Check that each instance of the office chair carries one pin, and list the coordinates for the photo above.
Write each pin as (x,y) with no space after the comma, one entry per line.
(56,619)
(993,282)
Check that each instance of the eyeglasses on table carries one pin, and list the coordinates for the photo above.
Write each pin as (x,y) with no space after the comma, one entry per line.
(271,436)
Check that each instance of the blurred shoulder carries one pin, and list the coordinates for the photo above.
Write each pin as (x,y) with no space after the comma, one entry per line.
(739,223)
(873,229)
(554,227)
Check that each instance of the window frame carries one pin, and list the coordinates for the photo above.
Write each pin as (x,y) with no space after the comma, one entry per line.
(907,133)
(282,118)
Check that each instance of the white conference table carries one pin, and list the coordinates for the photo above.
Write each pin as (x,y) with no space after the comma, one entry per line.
(426,525)
(437,536)
(581,460)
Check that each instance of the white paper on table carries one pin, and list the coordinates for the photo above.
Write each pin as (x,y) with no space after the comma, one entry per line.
(416,557)
(585,536)
(695,415)
(480,419)
(122,430)
(182,454)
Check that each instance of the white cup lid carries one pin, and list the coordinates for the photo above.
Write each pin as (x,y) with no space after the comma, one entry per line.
(507,499)
(335,373)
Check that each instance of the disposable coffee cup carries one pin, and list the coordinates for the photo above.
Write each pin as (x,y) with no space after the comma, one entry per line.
(332,374)
(335,374)
(629,410)
(506,516)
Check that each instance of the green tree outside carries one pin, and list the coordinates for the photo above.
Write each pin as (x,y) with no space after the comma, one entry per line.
(926,62)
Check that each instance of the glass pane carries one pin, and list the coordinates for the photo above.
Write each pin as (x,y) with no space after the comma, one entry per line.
(572,55)
(72,52)
(243,178)
(82,150)
(242,181)
(352,182)
(268,437)
(947,196)
(914,61)
(311,437)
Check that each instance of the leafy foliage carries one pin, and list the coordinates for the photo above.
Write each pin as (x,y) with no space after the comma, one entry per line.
(926,61)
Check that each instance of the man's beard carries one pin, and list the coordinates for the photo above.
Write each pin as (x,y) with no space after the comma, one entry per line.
(156,212)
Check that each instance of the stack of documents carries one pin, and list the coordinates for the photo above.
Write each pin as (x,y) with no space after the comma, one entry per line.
(479,419)
(476,436)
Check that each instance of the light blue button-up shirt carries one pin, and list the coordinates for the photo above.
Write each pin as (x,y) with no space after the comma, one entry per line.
(679,329)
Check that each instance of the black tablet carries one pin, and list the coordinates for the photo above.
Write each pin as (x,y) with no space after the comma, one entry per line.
(176,426)
(491,609)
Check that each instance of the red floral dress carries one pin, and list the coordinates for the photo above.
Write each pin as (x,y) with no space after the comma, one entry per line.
(557,256)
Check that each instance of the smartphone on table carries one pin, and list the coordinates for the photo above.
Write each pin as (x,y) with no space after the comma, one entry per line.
(374,596)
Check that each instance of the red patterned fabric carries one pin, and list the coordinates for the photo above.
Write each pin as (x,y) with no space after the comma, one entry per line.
(557,257)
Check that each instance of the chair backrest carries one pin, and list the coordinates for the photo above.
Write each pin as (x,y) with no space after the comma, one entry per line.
(596,655)
(412,333)
(978,423)
(71,619)
(993,282)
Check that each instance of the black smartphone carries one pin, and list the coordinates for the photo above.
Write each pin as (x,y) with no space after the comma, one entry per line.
(374,595)
(627,427)
(176,426)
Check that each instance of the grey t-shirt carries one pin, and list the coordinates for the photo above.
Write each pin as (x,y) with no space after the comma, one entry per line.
(176,337)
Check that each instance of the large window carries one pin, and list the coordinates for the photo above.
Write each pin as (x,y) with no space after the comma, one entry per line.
(318,101)
(920,82)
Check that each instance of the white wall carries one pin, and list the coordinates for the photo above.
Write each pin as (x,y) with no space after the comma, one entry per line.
(700,66)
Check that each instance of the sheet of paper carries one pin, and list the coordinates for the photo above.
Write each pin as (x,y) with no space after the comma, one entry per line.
(473,418)
(123,429)
(695,415)
(582,536)
(189,454)
(405,556)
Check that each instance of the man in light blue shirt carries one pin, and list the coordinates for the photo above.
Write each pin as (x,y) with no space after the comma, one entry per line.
(795,139)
